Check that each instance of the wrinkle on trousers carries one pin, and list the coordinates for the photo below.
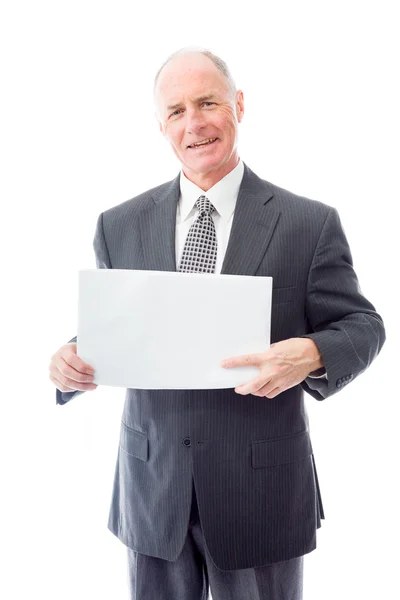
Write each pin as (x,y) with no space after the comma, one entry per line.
(193,575)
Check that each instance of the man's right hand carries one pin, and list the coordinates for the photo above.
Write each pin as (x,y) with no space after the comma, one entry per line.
(68,372)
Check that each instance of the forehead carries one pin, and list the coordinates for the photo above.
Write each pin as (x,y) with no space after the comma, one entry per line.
(189,79)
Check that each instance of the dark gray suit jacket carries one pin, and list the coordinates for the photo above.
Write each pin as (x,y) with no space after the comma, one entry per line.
(251,458)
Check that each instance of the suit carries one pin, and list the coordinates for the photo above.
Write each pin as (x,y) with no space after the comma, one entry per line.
(251,459)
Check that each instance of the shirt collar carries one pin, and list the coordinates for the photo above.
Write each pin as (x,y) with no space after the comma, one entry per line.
(222,195)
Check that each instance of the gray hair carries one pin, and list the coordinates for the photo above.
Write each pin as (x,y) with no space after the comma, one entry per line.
(218,62)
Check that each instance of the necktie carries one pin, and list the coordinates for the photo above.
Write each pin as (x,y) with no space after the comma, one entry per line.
(200,250)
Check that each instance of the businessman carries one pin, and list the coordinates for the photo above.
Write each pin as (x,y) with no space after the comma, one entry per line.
(218,489)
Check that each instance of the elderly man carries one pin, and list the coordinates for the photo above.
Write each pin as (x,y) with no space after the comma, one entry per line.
(218,489)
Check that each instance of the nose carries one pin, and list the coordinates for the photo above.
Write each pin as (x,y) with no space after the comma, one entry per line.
(195,121)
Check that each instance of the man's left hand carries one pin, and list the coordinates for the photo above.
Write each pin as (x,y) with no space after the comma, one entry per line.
(283,366)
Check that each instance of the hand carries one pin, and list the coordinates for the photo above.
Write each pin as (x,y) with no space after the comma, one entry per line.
(283,366)
(68,372)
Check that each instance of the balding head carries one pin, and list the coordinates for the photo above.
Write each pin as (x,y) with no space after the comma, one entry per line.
(196,100)
(187,58)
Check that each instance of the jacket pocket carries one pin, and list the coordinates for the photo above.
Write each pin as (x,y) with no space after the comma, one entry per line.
(133,442)
(280,451)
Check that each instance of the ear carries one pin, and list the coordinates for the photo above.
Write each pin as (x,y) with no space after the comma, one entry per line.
(160,126)
(239,105)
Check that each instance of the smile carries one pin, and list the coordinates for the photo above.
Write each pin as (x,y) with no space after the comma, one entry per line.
(207,142)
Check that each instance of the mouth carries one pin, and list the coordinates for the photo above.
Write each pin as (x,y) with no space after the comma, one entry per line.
(206,144)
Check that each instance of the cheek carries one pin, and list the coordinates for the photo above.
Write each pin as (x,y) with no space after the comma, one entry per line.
(174,138)
(226,121)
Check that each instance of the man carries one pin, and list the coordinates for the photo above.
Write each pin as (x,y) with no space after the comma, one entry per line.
(218,488)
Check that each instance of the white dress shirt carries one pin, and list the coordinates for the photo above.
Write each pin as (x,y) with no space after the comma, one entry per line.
(223,196)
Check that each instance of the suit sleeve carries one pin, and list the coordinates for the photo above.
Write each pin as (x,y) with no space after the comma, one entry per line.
(342,322)
(102,262)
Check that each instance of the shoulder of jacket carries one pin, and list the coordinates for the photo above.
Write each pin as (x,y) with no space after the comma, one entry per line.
(289,199)
(134,205)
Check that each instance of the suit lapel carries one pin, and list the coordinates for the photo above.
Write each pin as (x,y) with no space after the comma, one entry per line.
(254,223)
(157,229)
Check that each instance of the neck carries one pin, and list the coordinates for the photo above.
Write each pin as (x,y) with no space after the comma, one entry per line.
(205,181)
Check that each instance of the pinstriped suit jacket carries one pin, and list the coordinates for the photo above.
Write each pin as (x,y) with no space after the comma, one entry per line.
(251,458)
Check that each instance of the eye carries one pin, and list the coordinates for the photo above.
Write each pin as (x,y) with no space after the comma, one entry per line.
(180,109)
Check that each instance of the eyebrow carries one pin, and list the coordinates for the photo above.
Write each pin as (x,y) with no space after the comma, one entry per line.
(199,99)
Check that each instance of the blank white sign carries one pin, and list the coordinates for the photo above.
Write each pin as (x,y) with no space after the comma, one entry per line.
(170,330)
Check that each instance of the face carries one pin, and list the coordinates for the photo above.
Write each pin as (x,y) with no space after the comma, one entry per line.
(194,104)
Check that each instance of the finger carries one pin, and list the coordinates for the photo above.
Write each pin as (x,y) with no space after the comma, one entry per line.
(252,386)
(67,385)
(269,391)
(77,363)
(59,385)
(78,381)
(274,393)
(72,374)
(245,360)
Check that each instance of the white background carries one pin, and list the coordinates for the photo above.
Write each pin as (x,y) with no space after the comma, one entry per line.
(78,135)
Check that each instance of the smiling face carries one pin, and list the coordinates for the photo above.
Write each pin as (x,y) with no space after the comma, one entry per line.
(195,103)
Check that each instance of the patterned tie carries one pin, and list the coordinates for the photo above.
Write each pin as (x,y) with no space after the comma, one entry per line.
(200,250)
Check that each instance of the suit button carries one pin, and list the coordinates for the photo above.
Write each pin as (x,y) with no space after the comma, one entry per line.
(186,441)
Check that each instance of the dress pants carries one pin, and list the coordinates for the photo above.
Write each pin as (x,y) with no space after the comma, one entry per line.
(193,574)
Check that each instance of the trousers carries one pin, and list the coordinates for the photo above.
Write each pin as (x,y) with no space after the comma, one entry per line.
(193,575)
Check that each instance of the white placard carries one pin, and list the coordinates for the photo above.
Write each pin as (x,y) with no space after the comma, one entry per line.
(170,330)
